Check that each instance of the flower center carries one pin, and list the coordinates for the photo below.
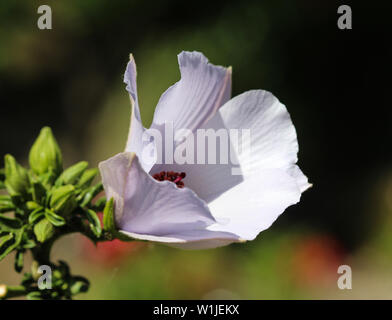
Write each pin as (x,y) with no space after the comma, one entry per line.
(175,177)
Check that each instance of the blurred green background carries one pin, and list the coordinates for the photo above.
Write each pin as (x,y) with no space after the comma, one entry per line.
(333,82)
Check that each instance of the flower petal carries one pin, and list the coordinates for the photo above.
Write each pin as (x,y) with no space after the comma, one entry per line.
(194,99)
(273,139)
(259,200)
(138,137)
(157,211)
(272,181)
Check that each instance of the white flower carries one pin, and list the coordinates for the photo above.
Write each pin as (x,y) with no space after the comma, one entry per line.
(215,207)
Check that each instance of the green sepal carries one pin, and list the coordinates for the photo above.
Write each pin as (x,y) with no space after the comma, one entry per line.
(94,222)
(72,174)
(44,230)
(109,223)
(45,154)
(54,218)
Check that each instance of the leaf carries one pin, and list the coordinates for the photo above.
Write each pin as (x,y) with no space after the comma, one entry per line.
(9,223)
(87,178)
(35,215)
(6,204)
(72,174)
(4,240)
(34,295)
(94,222)
(99,205)
(19,261)
(79,285)
(8,247)
(44,230)
(93,191)
(54,218)
(29,244)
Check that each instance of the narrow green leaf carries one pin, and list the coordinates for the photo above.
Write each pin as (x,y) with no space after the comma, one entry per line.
(108,217)
(94,222)
(35,215)
(6,204)
(87,178)
(19,261)
(93,191)
(72,174)
(17,237)
(99,205)
(54,218)
(9,223)
(34,295)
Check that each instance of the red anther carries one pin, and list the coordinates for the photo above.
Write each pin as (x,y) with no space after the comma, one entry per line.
(175,177)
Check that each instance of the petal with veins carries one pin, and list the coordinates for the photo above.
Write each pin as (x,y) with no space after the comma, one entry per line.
(135,142)
(194,99)
(159,211)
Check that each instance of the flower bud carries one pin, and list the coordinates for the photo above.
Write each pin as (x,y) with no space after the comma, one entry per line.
(43,230)
(63,200)
(16,177)
(45,154)
(72,174)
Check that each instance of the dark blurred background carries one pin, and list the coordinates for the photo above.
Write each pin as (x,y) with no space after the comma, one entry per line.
(334,83)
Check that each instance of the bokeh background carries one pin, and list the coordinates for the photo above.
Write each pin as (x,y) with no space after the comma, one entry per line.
(336,86)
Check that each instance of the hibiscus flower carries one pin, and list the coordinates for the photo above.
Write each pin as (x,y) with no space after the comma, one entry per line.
(198,206)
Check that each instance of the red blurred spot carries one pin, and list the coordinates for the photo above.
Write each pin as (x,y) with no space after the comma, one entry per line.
(316,261)
(110,253)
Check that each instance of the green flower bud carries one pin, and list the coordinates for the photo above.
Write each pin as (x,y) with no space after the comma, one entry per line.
(45,154)
(72,174)
(16,178)
(43,230)
(63,200)
(87,178)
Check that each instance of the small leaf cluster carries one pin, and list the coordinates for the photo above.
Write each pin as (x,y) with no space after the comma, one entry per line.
(44,202)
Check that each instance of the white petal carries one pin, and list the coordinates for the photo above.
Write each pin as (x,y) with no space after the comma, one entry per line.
(194,99)
(255,204)
(272,181)
(157,211)
(135,142)
(273,137)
